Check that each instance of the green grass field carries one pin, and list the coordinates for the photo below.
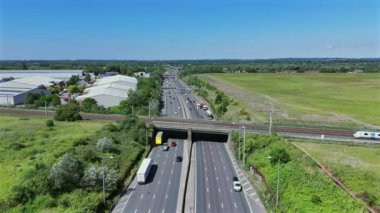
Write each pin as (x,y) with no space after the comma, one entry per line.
(358,167)
(345,97)
(41,144)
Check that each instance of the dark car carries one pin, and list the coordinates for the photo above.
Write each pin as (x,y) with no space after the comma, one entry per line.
(173,144)
(178,159)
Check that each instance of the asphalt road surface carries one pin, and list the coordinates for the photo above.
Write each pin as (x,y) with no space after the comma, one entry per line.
(160,192)
(214,173)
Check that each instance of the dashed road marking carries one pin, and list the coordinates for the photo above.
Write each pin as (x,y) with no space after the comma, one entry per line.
(154,196)
(209,205)
(166,196)
(217,178)
(222,205)
(214,168)
(235,205)
(219,190)
(135,210)
(207,189)
(142,195)
(169,182)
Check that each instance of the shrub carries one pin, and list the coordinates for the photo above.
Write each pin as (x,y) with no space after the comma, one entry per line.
(279,154)
(93,178)
(69,112)
(316,199)
(49,123)
(16,146)
(66,173)
(104,144)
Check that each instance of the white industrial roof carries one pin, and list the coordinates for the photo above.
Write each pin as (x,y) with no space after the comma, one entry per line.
(38,80)
(11,88)
(60,74)
(116,85)
(116,78)
(106,91)
(110,89)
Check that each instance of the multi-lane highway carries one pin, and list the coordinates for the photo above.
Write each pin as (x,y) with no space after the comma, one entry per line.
(161,192)
(214,171)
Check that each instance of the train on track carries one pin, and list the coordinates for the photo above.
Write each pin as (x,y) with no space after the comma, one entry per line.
(367,134)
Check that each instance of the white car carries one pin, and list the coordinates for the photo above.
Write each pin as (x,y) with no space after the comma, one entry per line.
(237,184)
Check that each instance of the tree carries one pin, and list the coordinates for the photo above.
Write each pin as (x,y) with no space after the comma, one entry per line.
(73,89)
(69,112)
(104,144)
(55,100)
(66,173)
(93,178)
(73,80)
(32,97)
(87,78)
(89,105)
(279,155)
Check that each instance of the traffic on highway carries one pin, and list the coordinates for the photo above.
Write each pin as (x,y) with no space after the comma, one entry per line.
(159,185)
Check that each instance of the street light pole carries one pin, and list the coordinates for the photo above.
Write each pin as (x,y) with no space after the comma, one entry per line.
(278,181)
(243,145)
(104,196)
(239,145)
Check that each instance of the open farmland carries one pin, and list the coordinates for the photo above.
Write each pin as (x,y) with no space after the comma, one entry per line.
(320,98)
(357,167)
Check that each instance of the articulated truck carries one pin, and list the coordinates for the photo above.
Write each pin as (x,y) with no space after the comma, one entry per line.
(143,171)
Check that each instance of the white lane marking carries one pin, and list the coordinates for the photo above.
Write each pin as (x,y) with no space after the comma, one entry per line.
(219,190)
(235,205)
(169,182)
(158,182)
(163,211)
(135,210)
(149,211)
(213,160)
(171,171)
(206,178)
(215,168)
(217,178)
(205,168)
(222,206)
(209,205)
(164,162)
(224,167)
(142,195)
(154,196)
(166,196)
(207,189)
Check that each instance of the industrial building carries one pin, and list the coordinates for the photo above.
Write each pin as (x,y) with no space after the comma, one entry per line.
(14,92)
(109,91)
(57,74)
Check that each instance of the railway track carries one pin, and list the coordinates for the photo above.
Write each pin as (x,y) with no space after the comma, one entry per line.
(115,117)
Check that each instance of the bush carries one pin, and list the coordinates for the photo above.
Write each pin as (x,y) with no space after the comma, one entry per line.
(69,112)
(93,178)
(16,146)
(66,173)
(49,123)
(104,144)
(279,155)
(316,199)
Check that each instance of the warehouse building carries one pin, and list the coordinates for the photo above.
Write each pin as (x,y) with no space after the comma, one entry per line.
(14,92)
(57,74)
(109,91)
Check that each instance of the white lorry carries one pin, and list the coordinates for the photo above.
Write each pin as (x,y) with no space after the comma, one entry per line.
(143,171)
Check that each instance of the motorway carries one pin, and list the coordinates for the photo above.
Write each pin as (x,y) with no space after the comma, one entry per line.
(214,171)
(161,192)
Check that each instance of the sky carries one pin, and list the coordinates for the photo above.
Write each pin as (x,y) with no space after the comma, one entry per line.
(188,29)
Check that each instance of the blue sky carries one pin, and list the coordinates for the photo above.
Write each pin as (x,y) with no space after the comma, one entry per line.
(188,29)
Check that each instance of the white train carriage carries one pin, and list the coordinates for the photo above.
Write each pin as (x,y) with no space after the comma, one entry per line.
(367,134)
